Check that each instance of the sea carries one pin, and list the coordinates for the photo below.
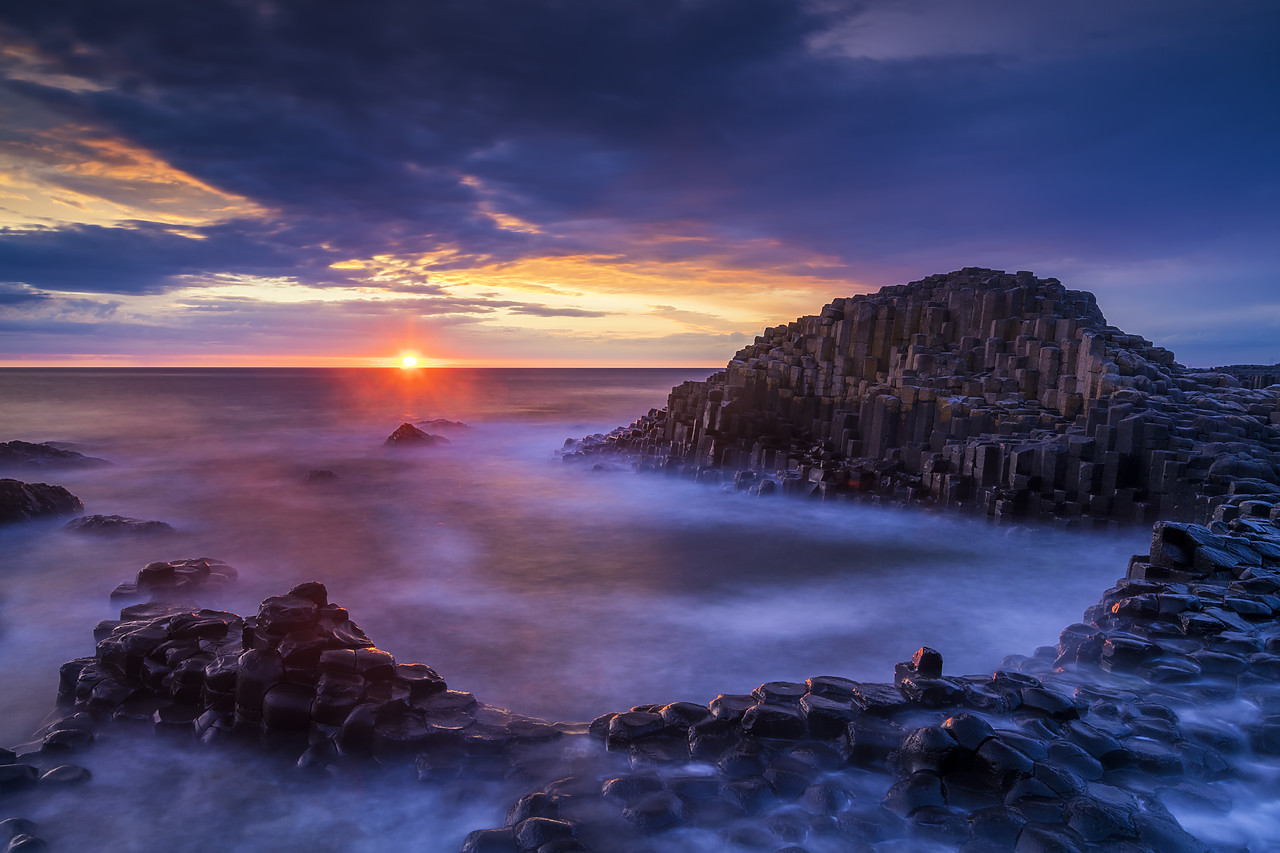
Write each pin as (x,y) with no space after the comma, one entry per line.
(558,590)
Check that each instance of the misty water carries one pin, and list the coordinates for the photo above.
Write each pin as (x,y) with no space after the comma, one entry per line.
(548,588)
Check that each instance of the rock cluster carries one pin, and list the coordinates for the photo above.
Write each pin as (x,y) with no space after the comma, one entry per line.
(22,501)
(24,454)
(1076,747)
(116,524)
(300,674)
(1085,745)
(978,388)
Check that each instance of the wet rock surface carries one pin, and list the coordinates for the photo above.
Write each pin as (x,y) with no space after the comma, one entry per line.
(23,501)
(1091,744)
(996,392)
(110,525)
(171,580)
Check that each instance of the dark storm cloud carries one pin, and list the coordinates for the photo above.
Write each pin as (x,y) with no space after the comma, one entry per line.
(777,130)
(358,125)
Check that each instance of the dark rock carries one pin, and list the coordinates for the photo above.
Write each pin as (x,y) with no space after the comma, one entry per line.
(969,731)
(1044,839)
(1002,763)
(882,700)
(490,841)
(26,455)
(116,525)
(17,777)
(533,805)
(631,726)
(320,475)
(65,774)
(629,789)
(780,692)
(281,614)
(1097,821)
(684,714)
(827,718)
(22,501)
(931,748)
(774,721)
(656,812)
(873,740)
(532,833)
(313,591)
(920,790)
(1164,834)
(408,435)
(731,706)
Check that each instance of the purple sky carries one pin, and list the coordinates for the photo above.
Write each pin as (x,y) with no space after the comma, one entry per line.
(604,182)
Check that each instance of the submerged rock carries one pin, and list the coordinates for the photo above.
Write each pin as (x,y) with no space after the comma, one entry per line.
(22,501)
(116,524)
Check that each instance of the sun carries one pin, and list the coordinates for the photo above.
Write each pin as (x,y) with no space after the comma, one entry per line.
(409,362)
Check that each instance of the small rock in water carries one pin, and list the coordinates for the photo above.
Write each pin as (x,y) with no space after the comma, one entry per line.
(24,454)
(408,435)
(116,524)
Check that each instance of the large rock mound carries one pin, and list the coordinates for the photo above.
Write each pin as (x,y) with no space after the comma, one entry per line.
(980,388)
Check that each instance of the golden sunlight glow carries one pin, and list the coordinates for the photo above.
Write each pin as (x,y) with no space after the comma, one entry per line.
(72,173)
(408,362)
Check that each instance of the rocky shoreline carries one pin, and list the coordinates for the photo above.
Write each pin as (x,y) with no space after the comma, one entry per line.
(1082,746)
(1003,394)
(994,392)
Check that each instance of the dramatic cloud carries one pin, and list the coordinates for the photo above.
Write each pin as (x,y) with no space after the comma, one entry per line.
(699,162)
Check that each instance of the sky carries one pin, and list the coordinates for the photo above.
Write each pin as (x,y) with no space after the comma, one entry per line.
(618,182)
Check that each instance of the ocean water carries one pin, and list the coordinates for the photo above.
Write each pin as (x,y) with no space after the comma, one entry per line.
(548,588)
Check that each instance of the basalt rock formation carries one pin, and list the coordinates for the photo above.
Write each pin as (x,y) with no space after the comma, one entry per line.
(978,388)
(1166,693)
(22,501)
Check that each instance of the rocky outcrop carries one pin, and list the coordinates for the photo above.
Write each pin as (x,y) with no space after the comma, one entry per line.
(978,388)
(173,580)
(1163,690)
(25,455)
(111,525)
(408,435)
(22,501)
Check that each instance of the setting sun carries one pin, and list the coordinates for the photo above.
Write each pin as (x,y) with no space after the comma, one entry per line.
(409,361)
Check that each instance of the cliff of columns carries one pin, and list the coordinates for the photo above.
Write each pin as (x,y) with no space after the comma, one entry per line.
(1002,392)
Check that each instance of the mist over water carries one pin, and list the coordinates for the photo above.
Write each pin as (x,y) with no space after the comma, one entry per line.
(551,589)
